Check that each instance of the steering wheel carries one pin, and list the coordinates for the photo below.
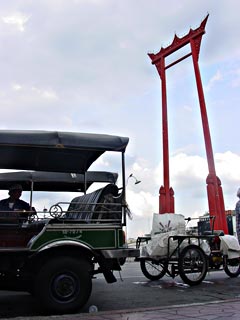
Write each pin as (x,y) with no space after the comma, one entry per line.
(55,211)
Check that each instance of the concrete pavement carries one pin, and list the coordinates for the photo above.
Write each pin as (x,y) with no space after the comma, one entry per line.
(219,310)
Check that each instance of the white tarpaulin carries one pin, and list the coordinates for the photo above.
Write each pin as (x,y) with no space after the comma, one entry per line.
(158,246)
(163,227)
(230,246)
(168,222)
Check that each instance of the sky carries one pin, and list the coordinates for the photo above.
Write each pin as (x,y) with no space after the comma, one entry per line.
(83,65)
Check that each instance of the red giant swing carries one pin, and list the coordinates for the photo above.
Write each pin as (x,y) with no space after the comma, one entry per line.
(214,189)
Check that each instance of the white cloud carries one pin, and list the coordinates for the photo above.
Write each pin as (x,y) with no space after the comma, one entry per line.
(46,94)
(102,162)
(16,87)
(188,179)
(183,165)
(142,203)
(17,19)
(236,78)
(228,164)
(187,108)
(217,77)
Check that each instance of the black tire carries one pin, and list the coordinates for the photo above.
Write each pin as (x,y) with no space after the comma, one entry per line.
(192,265)
(63,284)
(153,270)
(231,267)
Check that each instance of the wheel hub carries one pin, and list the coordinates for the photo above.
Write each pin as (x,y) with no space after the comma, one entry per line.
(64,287)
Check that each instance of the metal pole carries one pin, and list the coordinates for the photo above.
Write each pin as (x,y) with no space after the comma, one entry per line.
(215,198)
(124,189)
(164,206)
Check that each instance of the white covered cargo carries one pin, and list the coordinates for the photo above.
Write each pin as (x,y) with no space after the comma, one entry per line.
(230,246)
(164,226)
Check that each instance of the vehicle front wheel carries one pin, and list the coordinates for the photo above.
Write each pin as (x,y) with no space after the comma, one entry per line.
(63,284)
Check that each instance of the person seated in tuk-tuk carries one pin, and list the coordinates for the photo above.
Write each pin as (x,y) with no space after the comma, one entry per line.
(14,203)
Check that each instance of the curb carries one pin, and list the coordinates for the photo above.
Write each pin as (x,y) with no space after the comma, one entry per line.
(172,306)
(99,315)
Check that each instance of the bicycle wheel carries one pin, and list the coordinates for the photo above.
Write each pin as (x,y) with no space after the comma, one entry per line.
(192,265)
(231,267)
(153,270)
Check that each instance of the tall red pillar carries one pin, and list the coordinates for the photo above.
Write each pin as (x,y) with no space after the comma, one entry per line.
(166,193)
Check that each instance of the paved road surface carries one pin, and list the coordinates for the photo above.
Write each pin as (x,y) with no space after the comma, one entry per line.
(134,292)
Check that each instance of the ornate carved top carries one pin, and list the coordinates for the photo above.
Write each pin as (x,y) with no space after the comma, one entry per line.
(178,43)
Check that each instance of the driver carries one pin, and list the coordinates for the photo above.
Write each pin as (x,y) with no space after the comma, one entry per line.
(14,203)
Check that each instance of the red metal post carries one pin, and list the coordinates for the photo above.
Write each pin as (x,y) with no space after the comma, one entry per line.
(214,190)
(166,199)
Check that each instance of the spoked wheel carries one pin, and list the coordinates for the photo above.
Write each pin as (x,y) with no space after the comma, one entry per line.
(63,284)
(192,265)
(153,270)
(231,267)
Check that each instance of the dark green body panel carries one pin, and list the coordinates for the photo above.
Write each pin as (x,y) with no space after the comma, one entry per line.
(98,237)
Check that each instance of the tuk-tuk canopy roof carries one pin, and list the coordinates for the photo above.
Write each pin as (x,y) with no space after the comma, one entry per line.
(55,151)
(55,181)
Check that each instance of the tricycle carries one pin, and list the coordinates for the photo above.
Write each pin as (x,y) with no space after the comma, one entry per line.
(190,256)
